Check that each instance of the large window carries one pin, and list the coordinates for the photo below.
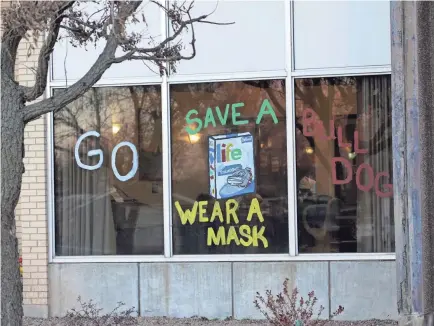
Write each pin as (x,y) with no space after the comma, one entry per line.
(108,173)
(229,173)
(228,169)
(344,165)
(262,151)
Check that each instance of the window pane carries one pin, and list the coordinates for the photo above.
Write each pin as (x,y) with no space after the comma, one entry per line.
(344,164)
(229,175)
(105,208)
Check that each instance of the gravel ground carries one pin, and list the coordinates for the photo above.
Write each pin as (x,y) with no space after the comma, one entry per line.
(200,321)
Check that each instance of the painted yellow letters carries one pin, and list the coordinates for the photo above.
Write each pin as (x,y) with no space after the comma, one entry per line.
(246,236)
(217,212)
(255,209)
(231,211)
(202,211)
(243,235)
(216,239)
(188,215)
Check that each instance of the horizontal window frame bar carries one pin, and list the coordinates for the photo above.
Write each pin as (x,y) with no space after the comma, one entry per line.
(342,72)
(228,77)
(112,82)
(227,258)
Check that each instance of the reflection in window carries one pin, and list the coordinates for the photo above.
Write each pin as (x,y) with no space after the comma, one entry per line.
(229,173)
(344,164)
(96,213)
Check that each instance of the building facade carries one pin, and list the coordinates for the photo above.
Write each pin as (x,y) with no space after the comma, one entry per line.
(268,156)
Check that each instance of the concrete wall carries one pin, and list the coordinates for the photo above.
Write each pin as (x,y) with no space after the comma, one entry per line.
(219,290)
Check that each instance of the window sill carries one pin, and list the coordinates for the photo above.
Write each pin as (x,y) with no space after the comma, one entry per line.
(226,258)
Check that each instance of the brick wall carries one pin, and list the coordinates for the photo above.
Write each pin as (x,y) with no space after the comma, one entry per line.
(32,207)
(34,216)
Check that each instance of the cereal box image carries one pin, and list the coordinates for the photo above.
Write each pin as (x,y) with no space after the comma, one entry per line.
(231,165)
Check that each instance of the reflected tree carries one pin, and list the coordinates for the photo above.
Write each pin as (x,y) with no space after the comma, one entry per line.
(135,110)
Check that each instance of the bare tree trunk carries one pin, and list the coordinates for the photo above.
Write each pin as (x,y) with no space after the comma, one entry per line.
(12,168)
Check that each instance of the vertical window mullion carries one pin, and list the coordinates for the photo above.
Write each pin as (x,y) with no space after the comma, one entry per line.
(290,134)
(50,183)
(165,114)
(50,170)
(291,166)
(167,198)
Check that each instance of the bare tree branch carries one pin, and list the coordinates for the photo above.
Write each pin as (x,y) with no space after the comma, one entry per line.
(38,89)
(164,52)
(301,94)
(104,61)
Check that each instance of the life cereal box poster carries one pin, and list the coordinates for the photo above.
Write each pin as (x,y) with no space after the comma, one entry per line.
(231,165)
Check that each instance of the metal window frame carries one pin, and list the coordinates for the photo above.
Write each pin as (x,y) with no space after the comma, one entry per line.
(289,74)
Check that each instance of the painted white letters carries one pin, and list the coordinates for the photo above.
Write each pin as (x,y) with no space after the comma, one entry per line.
(91,153)
(99,152)
(133,170)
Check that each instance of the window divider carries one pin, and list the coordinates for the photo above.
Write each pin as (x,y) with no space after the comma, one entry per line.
(290,136)
(167,164)
(166,139)
(112,82)
(49,152)
(50,209)
(291,168)
(223,77)
(341,71)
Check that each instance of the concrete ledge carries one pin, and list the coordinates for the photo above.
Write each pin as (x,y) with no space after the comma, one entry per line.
(186,290)
(222,289)
(366,289)
(35,311)
(252,277)
(104,283)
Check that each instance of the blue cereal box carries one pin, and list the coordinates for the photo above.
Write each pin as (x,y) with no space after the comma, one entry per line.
(231,165)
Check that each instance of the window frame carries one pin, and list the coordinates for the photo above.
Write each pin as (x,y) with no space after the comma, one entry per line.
(289,74)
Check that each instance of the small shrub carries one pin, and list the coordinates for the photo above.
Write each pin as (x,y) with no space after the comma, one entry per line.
(286,309)
(90,315)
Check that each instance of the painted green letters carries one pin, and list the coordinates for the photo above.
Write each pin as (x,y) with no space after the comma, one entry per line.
(209,118)
(236,114)
(224,119)
(190,121)
(266,108)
